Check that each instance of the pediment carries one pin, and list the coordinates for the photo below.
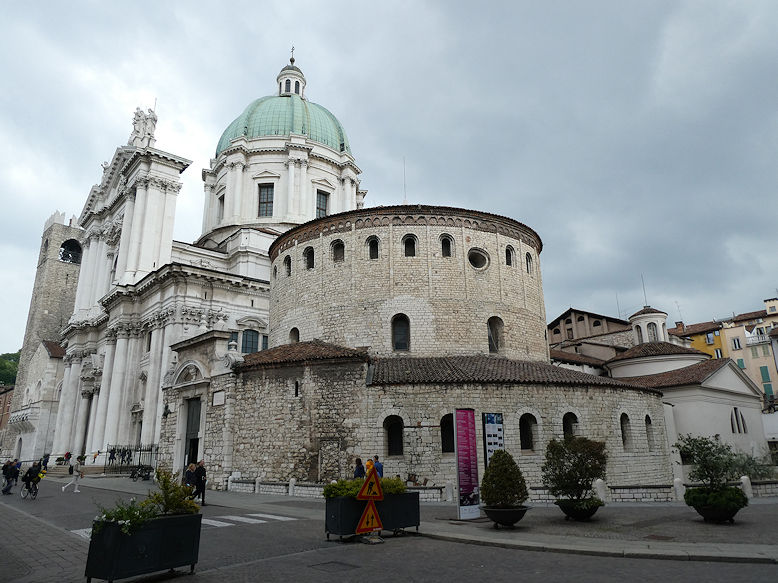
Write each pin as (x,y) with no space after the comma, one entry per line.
(266,175)
(251,322)
(731,378)
(323,182)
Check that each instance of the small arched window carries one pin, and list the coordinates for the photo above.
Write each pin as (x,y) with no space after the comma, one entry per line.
(338,251)
(372,247)
(288,85)
(528,261)
(652,334)
(527,431)
(401,332)
(393,435)
(510,256)
(639,330)
(596,324)
(308,258)
(288,265)
(557,331)
(580,319)
(294,336)
(409,246)
(297,87)
(626,432)
(446,246)
(447,433)
(570,425)
(494,327)
(650,438)
(70,251)
(250,342)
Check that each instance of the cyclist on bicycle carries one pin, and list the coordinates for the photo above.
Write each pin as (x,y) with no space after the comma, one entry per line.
(32,476)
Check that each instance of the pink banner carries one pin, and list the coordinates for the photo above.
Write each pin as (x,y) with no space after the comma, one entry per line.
(467,464)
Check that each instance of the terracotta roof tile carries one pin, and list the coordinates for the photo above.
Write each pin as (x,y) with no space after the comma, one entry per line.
(480,369)
(54,349)
(690,375)
(655,349)
(692,329)
(750,316)
(648,310)
(575,358)
(301,352)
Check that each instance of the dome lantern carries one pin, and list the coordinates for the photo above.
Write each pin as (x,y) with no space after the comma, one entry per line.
(291,80)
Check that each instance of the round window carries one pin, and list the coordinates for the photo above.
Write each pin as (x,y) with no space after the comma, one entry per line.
(478,259)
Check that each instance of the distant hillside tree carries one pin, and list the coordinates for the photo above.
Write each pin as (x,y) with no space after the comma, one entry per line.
(8,364)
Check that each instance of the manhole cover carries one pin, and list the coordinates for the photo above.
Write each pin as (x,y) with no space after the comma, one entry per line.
(334,567)
(659,537)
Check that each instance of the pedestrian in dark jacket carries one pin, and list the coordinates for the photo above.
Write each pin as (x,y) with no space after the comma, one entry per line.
(200,482)
(359,469)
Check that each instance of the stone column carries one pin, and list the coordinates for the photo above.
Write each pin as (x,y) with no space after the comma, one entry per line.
(237,207)
(133,254)
(151,399)
(209,208)
(285,201)
(81,421)
(82,290)
(130,378)
(304,208)
(58,441)
(115,395)
(124,238)
(68,406)
(165,243)
(98,433)
(152,226)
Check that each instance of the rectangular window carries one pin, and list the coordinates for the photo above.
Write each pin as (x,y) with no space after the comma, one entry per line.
(709,338)
(772,308)
(220,209)
(736,343)
(765,350)
(768,389)
(764,371)
(740,363)
(322,198)
(265,200)
(716,333)
(250,341)
(718,353)
(264,342)
(754,352)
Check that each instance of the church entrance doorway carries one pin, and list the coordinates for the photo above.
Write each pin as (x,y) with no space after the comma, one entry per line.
(192,437)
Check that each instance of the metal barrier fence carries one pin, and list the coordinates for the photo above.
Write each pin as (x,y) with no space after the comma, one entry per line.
(120,459)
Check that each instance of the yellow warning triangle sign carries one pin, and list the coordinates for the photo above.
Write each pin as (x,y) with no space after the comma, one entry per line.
(370,520)
(371,489)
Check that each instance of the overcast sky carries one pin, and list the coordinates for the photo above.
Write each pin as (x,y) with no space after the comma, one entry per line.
(636,138)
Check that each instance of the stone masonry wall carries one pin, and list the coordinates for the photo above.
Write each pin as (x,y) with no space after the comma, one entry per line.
(448,301)
(316,435)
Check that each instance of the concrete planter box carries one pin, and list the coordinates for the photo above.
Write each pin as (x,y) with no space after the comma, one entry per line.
(397,511)
(162,543)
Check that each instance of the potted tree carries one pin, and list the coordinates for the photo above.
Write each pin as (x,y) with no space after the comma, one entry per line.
(569,471)
(132,538)
(399,509)
(503,490)
(714,465)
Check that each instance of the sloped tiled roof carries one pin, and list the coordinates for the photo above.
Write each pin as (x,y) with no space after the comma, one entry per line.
(750,316)
(54,349)
(590,314)
(655,349)
(575,358)
(648,310)
(302,352)
(689,375)
(692,329)
(480,369)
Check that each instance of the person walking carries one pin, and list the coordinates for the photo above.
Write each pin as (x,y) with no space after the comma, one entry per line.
(77,475)
(379,467)
(9,468)
(200,482)
(359,469)
(189,477)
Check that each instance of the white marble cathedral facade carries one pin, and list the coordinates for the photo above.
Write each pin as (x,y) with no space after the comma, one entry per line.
(283,162)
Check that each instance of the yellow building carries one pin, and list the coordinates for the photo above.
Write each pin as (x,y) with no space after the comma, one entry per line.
(705,337)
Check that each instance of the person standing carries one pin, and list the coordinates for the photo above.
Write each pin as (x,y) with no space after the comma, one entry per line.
(189,476)
(379,467)
(359,469)
(200,482)
(77,474)
(8,472)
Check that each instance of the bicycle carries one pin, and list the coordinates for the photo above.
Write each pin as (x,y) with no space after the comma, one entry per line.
(31,491)
(143,472)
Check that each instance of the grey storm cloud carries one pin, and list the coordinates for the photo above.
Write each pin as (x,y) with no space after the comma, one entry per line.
(637,139)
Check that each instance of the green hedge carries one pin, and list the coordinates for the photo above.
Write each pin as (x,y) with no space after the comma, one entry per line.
(351,487)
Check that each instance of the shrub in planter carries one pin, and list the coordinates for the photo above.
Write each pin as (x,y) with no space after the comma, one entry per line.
(158,533)
(715,464)
(503,490)
(570,468)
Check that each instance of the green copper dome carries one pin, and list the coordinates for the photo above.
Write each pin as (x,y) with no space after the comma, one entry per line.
(283,115)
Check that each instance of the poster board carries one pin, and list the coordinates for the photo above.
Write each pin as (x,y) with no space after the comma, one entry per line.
(467,464)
